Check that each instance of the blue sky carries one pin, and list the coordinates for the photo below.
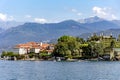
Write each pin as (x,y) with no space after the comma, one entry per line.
(57,10)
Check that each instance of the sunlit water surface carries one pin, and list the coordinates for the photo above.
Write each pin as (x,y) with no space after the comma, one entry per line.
(48,70)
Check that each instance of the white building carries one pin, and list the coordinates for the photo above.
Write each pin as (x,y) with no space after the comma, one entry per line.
(22,51)
(35,50)
(33,47)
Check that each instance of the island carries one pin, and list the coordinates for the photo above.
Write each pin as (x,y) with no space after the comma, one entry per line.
(68,48)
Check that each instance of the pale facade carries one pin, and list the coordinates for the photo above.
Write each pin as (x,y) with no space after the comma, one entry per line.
(35,50)
(22,51)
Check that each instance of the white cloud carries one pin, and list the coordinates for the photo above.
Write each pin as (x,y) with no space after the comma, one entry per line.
(105,13)
(5,17)
(28,16)
(76,12)
(114,17)
(40,20)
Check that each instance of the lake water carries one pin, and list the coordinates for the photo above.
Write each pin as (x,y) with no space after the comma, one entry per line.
(48,70)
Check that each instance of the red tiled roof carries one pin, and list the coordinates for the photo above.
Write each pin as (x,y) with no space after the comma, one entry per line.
(29,45)
(45,45)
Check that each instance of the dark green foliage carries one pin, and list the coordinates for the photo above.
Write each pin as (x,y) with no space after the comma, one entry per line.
(68,47)
(12,55)
(60,49)
(97,49)
(112,44)
(19,57)
(66,39)
(8,54)
(31,55)
(118,37)
(94,38)
(81,40)
(87,51)
(44,56)
(75,47)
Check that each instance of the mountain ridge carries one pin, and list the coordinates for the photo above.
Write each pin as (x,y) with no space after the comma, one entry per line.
(48,31)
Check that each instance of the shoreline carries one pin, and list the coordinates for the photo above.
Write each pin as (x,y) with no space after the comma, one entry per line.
(72,60)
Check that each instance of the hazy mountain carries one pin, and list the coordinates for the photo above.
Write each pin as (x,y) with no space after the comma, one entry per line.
(113,32)
(9,24)
(116,22)
(38,32)
(102,25)
(1,30)
(51,31)
(91,20)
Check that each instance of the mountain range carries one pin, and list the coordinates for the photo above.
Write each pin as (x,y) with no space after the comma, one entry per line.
(8,24)
(1,30)
(91,19)
(49,31)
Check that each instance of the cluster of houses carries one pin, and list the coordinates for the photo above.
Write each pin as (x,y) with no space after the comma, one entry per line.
(34,47)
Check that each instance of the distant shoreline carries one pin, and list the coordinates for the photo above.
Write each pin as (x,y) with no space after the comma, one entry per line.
(72,60)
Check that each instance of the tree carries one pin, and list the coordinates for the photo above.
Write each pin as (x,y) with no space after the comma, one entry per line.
(94,38)
(31,55)
(10,54)
(3,54)
(44,56)
(60,49)
(72,46)
(87,51)
(97,49)
(68,46)
(112,44)
(119,37)
(66,39)
(93,50)
(68,54)
(81,40)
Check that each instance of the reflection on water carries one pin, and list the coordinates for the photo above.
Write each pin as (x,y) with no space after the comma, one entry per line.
(46,70)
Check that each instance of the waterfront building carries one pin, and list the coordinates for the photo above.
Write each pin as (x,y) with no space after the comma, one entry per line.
(34,47)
